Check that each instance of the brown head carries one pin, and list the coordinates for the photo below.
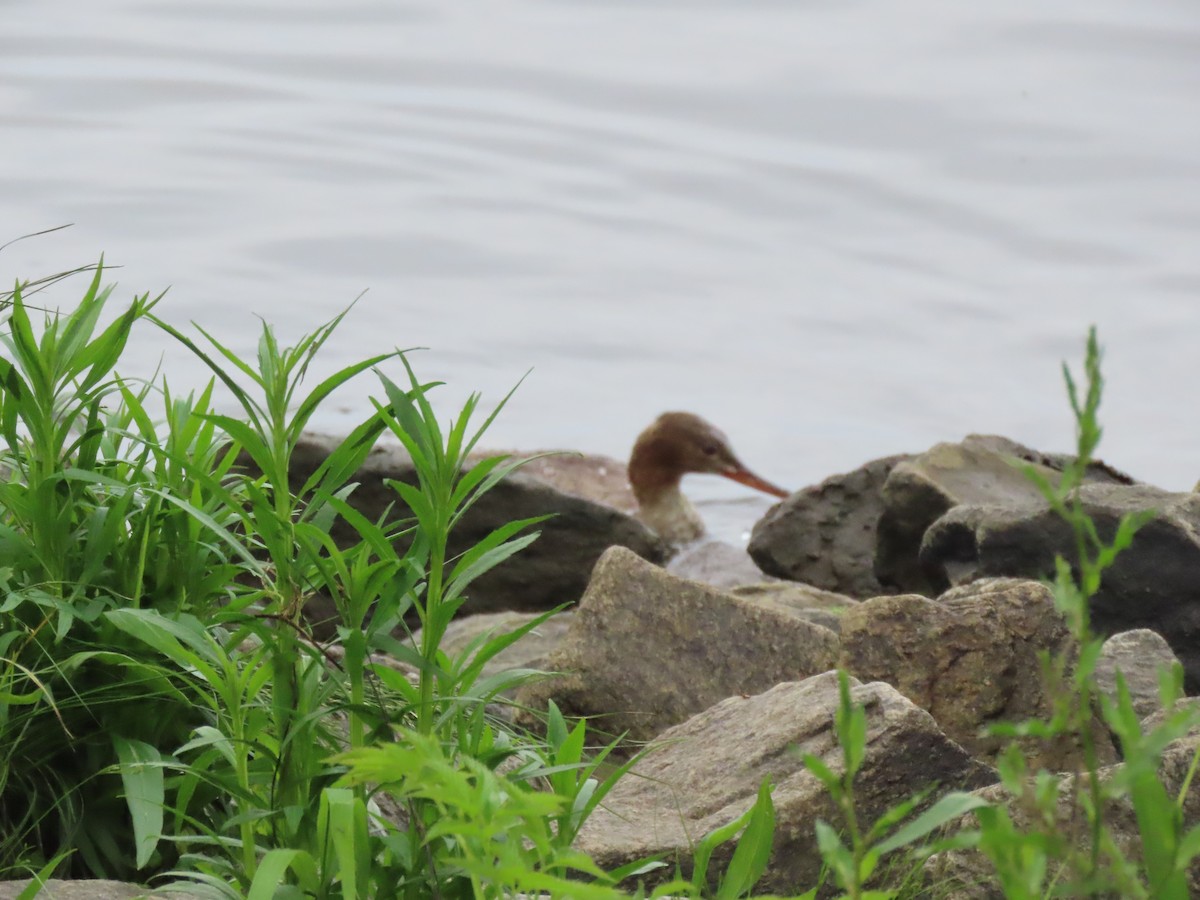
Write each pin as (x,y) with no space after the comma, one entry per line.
(678,443)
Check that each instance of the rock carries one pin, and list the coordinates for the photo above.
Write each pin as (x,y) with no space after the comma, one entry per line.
(552,571)
(589,476)
(90,889)
(968,875)
(1156,718)
(803,600)
(647,650)
(981,470)
(716,563)
(1154,584)
(825,535)
(970,658)
(793,597)
(706,772)
(1139,655)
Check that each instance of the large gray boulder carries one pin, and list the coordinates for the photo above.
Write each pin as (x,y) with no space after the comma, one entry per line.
(1139,655)
(980,470)
(647,650)
(706,772)
(824,535)
(969,658)
(552,571)
(1153,584)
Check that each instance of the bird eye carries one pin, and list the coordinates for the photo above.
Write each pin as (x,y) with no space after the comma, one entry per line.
(710,449)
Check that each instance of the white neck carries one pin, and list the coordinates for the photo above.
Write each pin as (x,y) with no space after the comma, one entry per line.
(672,516)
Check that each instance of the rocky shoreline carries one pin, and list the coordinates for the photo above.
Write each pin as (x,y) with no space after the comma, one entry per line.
(918,574)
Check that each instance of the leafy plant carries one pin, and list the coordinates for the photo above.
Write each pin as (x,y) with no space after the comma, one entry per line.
(83,531)
(1045,853)
(854,856)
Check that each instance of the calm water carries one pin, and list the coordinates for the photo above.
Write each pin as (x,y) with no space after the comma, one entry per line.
(838,230)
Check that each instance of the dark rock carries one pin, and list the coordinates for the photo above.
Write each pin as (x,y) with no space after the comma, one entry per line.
(825,535)
(706,772)
(981,470)
(1153,584)
(552,571)
(647,650)
(969,658)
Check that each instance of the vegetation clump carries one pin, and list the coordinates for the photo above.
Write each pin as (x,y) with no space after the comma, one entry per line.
(165,716)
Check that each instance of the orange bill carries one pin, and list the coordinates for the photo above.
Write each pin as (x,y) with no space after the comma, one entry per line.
(748,478)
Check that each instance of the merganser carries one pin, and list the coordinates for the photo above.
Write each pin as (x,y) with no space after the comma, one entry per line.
(676,444)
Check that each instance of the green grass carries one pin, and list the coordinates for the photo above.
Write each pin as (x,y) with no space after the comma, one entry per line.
(164,714)
(163,711)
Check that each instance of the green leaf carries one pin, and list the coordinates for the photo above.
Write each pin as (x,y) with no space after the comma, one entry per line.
(851,724)
(271,873)
(817,766)
(947,809)
(1189,847)
(1158,826)
(753,850)
(487,561)
(643,866)
(835,854)
(348,827)
(329,385)
(166,635)
(39,879)
(471,661)
(141,774)
(487,423)
(707,844)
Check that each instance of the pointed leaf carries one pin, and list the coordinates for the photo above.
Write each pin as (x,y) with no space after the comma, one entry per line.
(753,851)
(142,778)
(947,809)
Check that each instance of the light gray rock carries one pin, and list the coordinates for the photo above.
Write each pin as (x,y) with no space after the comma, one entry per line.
(824,535)
(803,600)
(1138,655)
(980,470)
(647,650)
(716,563)
(706,772)
(89,889)
(970,658)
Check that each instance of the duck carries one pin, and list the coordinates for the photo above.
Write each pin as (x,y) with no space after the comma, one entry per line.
(674,445)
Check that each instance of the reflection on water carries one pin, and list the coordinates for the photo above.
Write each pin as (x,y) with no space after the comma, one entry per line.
(837,230)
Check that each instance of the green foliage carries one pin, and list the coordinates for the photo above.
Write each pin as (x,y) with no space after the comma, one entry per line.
(854,855)
(84,530)
(165,628)
(750,856)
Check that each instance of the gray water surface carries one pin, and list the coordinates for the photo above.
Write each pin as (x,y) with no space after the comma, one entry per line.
(837,230)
